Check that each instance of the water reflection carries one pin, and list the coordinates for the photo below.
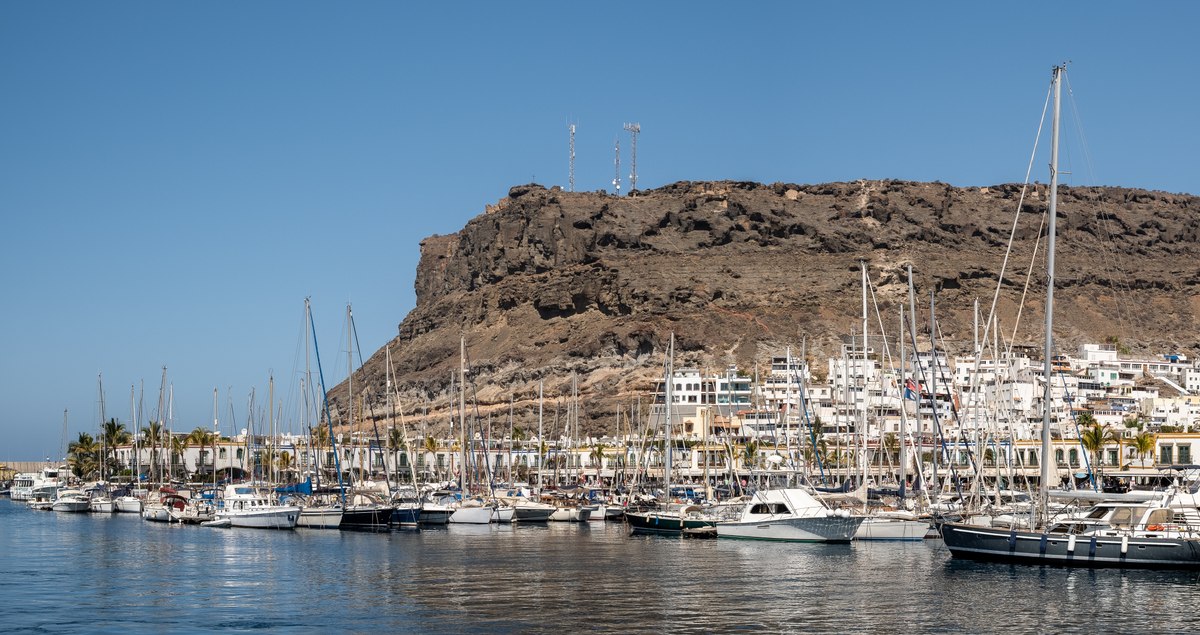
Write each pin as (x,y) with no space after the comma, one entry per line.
(121,574)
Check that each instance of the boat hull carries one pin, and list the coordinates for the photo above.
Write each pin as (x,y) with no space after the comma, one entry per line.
(835,529)
(1026,547)
(102,505)
(282,517)
(571,515)
(406,515)
(503,515)
(472,516)
(532,514)
(366,517)
(664,524)
(72,506)
(320,517)
(128,505)
(894,529)
(435,514)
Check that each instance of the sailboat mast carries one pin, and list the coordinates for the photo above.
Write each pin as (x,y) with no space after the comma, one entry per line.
(902,459)
(216,435)
(667,429)
(862,373)
(272,453)
(1049,348)
(462,410)
(350,391)
(541,438)
(103,440)
(135,473)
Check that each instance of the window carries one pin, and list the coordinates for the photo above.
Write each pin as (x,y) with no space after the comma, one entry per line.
(1074,456)
(1164,454)
(222,453)
(1033,458)
(1112,457)
(1185,454)
(1058,455)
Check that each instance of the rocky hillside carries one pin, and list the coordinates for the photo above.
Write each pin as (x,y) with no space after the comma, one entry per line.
(548,283)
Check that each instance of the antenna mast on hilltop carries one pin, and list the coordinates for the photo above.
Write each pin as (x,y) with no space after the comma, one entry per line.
(634,129)
(617,165)
(571,170)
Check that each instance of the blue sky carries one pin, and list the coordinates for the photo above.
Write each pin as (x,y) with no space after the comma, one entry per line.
(175,178)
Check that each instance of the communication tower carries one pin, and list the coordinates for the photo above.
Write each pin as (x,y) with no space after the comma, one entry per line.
(634,129)
(617,165)
(571,172)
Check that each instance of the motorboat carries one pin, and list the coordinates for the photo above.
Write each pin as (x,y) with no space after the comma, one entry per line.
(70,500)
(792,515)
(251,506)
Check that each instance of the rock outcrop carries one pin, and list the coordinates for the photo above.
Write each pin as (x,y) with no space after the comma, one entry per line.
(547,283)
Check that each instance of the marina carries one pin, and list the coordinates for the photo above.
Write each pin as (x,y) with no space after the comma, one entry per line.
(120,574)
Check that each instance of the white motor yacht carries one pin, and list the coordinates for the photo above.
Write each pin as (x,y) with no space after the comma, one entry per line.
(249,506)
(791,515)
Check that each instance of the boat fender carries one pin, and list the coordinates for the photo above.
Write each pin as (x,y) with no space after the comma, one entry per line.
(1071,544)
(1092,548)
(1012,538)
(1042,545)
(842,513)
(1125,544)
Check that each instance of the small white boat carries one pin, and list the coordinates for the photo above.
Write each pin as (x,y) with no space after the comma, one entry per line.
(102,504)
(128,504)
(70,500)
(218,523)
(249,506)
(892,525)
(572,514)
(472,512)
(791,515)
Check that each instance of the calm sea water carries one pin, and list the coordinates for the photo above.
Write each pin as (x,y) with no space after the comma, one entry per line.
(83,573)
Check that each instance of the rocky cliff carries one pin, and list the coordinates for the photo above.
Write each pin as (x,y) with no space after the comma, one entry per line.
(547,283)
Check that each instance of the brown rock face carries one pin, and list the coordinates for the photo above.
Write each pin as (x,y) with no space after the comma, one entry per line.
(548,283)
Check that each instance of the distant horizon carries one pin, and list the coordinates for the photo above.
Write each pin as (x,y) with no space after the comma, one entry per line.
(177,178)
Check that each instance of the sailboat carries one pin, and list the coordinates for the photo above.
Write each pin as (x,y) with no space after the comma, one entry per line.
(686,519)
(364,509)
(469,511)
(1159,534)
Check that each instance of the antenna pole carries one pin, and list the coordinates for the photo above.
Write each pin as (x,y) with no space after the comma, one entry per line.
(571,169)
(634,129)
(617,165)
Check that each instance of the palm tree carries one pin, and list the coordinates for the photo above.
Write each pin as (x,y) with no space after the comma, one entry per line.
(430,446)
(395,441)
(152,432)
(891,445)
(320,441)
(750,455)
(1094,438)
(1144,443)
(83,455)
(202,438)
(285,462)
(113,434)
(179,446)
(597,457)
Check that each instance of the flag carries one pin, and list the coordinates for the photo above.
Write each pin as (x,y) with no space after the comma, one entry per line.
(910,389)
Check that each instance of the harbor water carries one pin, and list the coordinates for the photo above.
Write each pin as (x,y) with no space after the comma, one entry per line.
(89,573)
